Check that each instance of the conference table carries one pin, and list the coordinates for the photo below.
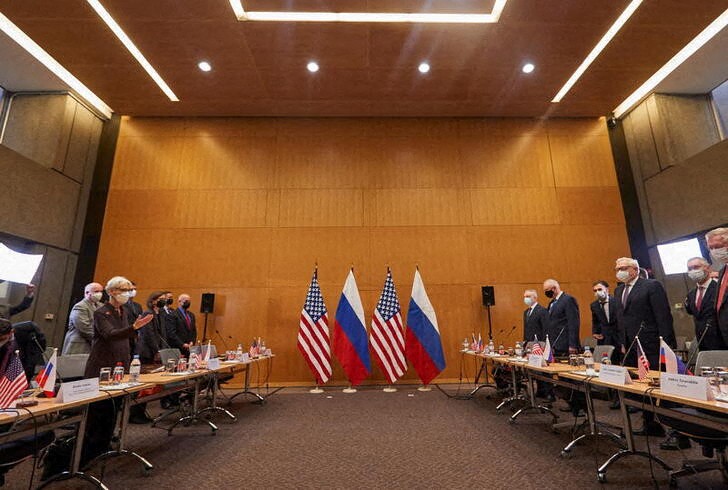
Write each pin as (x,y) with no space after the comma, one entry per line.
(49,414)
(638,394)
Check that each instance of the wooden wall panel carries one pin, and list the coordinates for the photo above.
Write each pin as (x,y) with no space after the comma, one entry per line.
(246,207)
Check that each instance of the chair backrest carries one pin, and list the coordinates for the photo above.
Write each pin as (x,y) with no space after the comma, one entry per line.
(710,358)
(200,350)
(166,354)
(600,350)
(72,366)
(590,341)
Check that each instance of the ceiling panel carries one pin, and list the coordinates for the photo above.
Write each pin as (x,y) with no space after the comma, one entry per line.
(259,68)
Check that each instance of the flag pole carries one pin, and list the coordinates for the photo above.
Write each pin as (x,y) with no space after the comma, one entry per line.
(349,389)
(316,390)
(389,389)
(424,388)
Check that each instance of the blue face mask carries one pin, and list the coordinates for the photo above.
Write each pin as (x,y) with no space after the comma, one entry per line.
(528,301)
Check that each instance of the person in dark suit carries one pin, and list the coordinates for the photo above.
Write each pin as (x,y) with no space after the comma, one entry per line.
(535,317)
(604,317)
(110,346)
(700,304)
(564,322)
(153,336)
(185,324)
(642,304)
(25,304)
(717,241)
(133,311)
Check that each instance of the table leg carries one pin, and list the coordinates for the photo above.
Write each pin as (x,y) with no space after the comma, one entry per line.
(213,402)
(195,415)
(516,395)
(532,407)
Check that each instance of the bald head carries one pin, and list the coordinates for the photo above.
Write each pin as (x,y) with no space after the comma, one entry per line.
(551,288)
(183,301)
(92,292)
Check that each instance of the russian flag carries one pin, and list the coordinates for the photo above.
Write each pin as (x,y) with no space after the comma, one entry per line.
(350,343)
(46,378)
(423,346)
(548,354)
(673,364)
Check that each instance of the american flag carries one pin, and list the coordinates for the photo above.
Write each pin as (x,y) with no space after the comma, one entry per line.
(643,365)
(386,337)
(12,382)
(536,349)
(313,333)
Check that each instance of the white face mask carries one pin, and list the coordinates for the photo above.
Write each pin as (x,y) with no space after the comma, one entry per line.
(96,296)
(528,300)
(697,275)
(720,254)
(602,295)
(121,298)
(623,276)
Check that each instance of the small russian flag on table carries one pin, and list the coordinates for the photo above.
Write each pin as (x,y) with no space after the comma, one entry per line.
(46,378)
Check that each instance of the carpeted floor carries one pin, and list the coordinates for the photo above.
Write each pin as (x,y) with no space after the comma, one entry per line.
(372,439)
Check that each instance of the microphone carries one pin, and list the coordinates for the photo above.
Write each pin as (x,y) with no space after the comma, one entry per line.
(708,324)
(34,338)
(639,331)
(553,345)
(224,344)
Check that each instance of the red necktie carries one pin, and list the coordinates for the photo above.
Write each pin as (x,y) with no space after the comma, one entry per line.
(699,299)
(723,287)
(624,295)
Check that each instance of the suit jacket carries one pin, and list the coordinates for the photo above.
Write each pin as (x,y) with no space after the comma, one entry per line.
(646,303)
(722,308)
(564,316)
(80,331)
(712,340)
(187,333)
(133,311)
(602,326)
(536,324)
(151,338)
(111,340)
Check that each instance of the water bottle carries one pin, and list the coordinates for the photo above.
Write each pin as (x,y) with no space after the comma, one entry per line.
(261,347)
(118,375)
(519,349)
(589,361)
(491,347)
(239,353)
(194,362)
(605,359)
(501,350)
(466,344)
(135,369)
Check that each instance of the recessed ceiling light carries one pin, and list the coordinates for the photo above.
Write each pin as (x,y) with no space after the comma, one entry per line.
(131,47)
(686,52)
(424,67)
(312,66)
(204,66)
(613,30)
(281,16)
(25,42)
(528,68)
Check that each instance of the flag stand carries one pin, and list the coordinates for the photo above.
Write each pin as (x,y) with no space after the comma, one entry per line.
(318,389)
(389,389)
(350,389)
(424,388)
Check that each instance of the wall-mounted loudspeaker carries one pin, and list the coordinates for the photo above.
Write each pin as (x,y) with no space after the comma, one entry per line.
(488,295)
(207,305)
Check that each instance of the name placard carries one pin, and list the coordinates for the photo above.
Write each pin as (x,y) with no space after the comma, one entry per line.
(213,363)
(614,374)
(535,360)
(78,390)
(695,387)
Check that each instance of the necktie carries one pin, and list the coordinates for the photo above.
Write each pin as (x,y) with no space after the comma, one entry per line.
(699,298)
(187,320)
(605,305)
(723,287)
(625,294)
(528,315)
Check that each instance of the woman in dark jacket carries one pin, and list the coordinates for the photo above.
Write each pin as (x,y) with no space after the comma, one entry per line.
(152,337)
(110,346)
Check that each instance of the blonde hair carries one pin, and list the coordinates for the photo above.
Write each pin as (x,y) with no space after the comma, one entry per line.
(632,262)
(717,232)
(117,282)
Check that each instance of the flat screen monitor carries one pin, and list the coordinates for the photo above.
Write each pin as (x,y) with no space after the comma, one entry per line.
(674,256)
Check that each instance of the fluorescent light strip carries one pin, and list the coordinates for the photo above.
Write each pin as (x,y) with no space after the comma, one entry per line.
(690,48)
(493,17)
(14,33)
(106,17)
(613,30)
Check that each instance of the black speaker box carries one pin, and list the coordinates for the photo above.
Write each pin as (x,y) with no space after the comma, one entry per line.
(207,305)
(488,295)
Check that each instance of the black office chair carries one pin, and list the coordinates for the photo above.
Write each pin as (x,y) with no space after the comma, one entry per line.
(714,442)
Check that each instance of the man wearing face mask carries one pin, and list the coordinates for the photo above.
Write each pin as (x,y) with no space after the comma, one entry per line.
(535,317)
(717,240)
(604,318)
(185,324)
(642,303)
(700,304)
(81,321)
(563,326)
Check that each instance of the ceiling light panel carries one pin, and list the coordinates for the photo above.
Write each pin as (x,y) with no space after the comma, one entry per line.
(686,52)
(608,36)
(131,47)
(403,17)
(22,39)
